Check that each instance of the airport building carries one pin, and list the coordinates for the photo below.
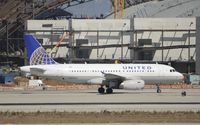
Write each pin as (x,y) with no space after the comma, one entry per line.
(128,40)
(146,31)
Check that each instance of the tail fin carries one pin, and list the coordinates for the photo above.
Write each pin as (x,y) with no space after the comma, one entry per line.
(36,54)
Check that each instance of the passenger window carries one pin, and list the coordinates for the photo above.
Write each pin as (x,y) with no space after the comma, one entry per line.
(172,70)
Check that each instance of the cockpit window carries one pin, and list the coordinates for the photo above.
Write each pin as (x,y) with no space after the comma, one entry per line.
(172,70)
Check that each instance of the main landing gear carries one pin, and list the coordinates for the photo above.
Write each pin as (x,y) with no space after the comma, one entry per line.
(101,90)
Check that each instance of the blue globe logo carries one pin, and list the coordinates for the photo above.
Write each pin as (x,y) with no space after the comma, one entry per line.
(40,57)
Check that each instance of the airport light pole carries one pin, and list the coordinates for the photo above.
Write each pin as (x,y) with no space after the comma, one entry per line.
(197,66)
(97,45)
(122,34)
(70,41)
(189,34)
(162,42)
(189,31)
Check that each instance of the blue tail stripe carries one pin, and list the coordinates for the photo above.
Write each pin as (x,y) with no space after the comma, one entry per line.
(31,44)
(36,54)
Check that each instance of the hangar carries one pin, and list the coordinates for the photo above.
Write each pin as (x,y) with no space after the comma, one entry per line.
(160,31)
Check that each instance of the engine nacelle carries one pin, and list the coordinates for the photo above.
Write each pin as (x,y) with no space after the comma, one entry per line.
(132,84)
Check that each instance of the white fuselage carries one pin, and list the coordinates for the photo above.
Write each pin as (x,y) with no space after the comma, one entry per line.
(83,73)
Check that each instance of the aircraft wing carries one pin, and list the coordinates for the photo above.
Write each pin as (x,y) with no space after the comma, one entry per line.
(106,77)
(109,76)
(37,71)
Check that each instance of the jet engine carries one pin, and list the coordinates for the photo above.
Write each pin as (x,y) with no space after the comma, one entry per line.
(132,84)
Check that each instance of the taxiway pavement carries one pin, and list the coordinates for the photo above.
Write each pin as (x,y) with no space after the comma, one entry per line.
(91,101)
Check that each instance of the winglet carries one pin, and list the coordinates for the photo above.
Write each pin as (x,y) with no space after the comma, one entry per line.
(36,54)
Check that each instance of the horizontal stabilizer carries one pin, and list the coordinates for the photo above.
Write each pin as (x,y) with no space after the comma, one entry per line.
(37,71)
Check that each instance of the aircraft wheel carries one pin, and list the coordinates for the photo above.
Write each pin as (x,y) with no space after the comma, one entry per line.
(101,90)
(109,90)
(183,93)
(158,90)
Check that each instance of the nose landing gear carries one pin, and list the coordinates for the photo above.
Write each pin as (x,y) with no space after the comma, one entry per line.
(183,93)
(158,88)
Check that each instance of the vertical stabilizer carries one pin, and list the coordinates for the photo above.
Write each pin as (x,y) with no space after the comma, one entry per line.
(36,54)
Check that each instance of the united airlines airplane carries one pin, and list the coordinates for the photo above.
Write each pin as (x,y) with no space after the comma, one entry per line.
(120,76)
